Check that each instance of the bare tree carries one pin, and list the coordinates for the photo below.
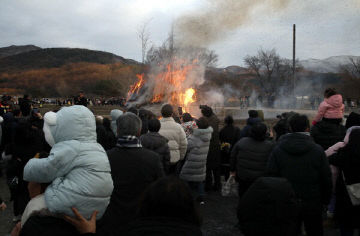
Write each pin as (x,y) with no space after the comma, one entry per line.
(144,36)
(272,72)
(351,75)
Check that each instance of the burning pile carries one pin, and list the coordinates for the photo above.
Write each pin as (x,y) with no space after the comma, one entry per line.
(167,83)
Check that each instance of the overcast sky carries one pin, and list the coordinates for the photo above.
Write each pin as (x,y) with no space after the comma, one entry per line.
(324,27)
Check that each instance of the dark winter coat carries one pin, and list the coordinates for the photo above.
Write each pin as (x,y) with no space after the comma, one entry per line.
(249,158)
(304,164)
(105,137)
(229,134)
(326,133)
(46,226)
(214,156)
(159,144)
(352,120)
(162,226)
(245,132)
(268,208)
(194,168)
(349,164)
(132,170)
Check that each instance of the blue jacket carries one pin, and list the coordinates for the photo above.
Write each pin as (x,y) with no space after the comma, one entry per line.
(77,167)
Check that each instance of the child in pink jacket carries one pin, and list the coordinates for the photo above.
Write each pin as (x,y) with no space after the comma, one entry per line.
(331,108)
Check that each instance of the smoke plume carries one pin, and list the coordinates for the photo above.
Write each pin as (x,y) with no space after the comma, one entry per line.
(206,26)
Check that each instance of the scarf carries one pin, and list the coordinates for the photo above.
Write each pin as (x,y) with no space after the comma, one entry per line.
(128,141)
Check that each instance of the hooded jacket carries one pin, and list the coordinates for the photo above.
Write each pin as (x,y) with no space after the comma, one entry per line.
(77,167)
(304,164)
(159,144)
(114,115)
(331,108)
(194,168)
(176,136)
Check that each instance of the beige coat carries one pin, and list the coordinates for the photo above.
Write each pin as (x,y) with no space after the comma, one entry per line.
(177,138)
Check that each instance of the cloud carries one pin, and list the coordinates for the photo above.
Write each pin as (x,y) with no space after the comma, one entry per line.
(324,27)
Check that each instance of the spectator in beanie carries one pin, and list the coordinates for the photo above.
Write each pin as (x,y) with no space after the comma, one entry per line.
(133,168)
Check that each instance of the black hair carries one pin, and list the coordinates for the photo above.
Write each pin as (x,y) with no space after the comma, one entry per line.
(206,111)
(167,110)
(154,125)
(106,123)
(229,120)
(16,112)
(169,197)
(202,123)
(133,110)
(330,92)
(258,132)
(187,117)
(299,123)
(253,114)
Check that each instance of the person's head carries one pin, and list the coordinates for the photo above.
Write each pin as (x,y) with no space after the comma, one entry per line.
(353,140)
(187,117)
(169,197)
(24,134)
(167,110)
(133,110)
(17,113)
(258,131)
(154,125)
(202,123)
(128,124)
(329,92)
(253,114)
(106,123)
(299,123)
(206,111)
(99,120)
(81,94)
(229,120)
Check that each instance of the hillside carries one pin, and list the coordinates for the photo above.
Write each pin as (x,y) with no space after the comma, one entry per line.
(14,50)
(57,57)
(327,65)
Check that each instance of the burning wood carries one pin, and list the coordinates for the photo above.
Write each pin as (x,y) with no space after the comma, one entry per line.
(169,84)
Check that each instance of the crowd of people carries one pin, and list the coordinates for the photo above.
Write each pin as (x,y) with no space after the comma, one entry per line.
(72,173)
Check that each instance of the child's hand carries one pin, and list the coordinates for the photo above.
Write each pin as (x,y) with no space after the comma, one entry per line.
(82,225)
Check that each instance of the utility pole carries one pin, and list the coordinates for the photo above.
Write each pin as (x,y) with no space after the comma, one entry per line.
(294,68)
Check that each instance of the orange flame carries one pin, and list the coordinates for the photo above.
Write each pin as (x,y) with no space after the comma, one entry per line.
(171,84)
(137,86)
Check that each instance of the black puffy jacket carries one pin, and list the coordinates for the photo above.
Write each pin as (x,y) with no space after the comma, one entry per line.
(326,133)
(249,158)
